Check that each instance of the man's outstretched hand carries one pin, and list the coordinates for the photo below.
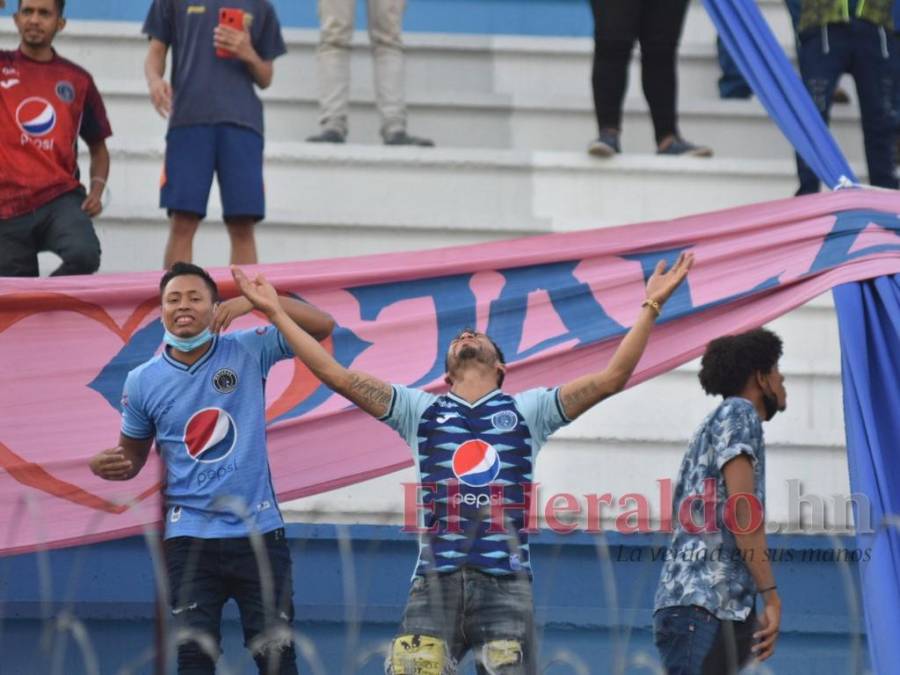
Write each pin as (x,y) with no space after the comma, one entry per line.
(261,294)
(662,284)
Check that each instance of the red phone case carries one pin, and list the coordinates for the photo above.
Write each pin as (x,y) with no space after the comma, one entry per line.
(233,18)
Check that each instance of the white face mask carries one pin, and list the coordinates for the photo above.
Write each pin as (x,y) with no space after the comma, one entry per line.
(187,344)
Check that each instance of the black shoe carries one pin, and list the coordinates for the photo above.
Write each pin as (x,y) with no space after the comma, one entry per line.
(605,145)
(327,136)
(681,147)
(403,138)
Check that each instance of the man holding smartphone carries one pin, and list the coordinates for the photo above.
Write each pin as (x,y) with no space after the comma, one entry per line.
(220,50)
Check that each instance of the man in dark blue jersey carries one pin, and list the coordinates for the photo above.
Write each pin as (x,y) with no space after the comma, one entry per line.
(202,401)
(474,448)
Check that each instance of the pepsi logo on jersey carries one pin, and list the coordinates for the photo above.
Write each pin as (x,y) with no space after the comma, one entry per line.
(476,463)
(210,435)
(36,118)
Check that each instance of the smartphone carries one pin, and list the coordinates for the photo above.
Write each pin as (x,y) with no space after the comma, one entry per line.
(233,18)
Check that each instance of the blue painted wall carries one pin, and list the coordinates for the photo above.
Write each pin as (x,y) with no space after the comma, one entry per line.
(518,17)
(110,588)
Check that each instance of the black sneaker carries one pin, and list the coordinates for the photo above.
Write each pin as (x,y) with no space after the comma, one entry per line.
(403,138)
(327,136)
(681,147)
(605,145)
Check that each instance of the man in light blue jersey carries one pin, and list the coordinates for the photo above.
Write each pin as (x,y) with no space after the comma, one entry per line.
(202,401)
(475,449)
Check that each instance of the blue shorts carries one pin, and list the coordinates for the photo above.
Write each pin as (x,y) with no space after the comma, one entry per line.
(234,153)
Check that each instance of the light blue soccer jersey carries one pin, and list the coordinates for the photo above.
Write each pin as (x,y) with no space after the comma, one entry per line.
(470,458)
(208,421)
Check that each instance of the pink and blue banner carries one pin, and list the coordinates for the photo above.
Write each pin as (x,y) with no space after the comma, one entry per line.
(556,304)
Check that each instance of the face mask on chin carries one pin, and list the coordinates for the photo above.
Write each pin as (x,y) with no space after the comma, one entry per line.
(770,403)
(187,344)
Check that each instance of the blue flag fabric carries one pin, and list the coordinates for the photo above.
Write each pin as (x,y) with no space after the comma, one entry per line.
(766,68)
(869,318)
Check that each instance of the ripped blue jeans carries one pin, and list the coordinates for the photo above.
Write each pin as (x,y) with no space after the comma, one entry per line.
(204,574)
(449,614)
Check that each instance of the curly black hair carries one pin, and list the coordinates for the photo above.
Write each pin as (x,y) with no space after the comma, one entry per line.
(180,269)
(731,360)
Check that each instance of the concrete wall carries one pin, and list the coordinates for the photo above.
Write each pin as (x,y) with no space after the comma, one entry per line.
(592,614)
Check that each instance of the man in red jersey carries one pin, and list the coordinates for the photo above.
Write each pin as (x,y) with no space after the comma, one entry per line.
(46,102)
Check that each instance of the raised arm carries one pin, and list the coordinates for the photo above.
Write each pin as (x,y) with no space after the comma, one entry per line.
(314,321)
(123,462)
(586,391)
(369,393)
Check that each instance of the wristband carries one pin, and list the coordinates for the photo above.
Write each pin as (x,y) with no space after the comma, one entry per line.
(652,304)
(766,590)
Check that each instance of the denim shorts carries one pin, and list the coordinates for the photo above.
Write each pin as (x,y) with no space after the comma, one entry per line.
(692,641)
(492,616)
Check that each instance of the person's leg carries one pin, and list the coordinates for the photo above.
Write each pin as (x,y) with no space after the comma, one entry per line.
(659,32)
(615,30)
(499,623)
(190,161)
(895,77)
(871,70)
(430,636)
(333,62)
(268,628)
(180,244)
(793,7)
(731,82)
(197,597)
(731,649)
(684,636)
(239,167)
(68,231)
(386,35)
(18,247)
(821,68)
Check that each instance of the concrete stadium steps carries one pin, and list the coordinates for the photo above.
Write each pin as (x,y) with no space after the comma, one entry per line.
(464,90)
(497,189)
(739,129)
(434,196)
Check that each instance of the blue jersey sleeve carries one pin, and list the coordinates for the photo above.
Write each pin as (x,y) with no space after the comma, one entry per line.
(267,344)
(543,412)
(136,423)
(267,38)
(406,410)
(158,23)
(737,431)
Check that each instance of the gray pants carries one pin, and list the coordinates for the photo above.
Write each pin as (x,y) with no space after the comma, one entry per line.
(59,226)
(385,34)
(449,614)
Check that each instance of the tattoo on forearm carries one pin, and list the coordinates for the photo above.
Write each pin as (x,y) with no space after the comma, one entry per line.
(581,395)
(370,391)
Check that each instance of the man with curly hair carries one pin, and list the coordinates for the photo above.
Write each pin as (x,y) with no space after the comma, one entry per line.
(705,620)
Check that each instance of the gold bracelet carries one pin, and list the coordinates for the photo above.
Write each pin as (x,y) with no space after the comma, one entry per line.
(652,304)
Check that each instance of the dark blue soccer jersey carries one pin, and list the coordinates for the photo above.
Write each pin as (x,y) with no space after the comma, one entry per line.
(475,455)
(209,424)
